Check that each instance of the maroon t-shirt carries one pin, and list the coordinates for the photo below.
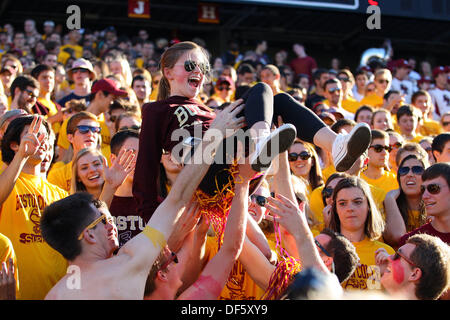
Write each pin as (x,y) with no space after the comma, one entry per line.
(304,65)
(427,229)
(128,222)
(159,120)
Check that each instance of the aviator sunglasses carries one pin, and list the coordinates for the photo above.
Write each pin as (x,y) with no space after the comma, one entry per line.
(417,170)
(86,129)
(304,155)
(432,188)
(190,65)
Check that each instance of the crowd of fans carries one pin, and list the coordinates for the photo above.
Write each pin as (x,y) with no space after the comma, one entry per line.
(382,227)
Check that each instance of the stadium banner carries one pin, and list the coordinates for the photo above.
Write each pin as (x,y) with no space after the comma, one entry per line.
(208,13)
(139,9)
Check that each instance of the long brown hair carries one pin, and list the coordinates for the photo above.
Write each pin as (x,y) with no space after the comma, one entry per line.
(402,202)
(168,60)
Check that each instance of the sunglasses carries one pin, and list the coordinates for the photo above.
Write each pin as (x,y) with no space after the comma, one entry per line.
(103,219)
(327,192)
(82,70)
(445,123)
(378,148)
(86,129)
(396,145)
(173,258)
(344,79)
(30,93)
(304,155)
(417,170)
(133,127)
(259,200)
(333,90)
(222,88)
(190,65)
(326,253)
(113,118)
(399,255)
(156,82)
(432,188)
(382,81)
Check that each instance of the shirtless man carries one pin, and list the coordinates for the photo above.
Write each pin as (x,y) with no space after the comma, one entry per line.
(72,226)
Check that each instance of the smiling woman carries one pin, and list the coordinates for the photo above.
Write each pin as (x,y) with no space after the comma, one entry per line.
(87,172)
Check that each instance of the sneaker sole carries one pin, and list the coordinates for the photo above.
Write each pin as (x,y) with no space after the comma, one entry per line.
(357,144)
(285,139)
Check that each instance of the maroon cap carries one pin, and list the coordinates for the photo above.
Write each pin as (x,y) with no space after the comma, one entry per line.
(424,79)
(402,63)
(108,85)
(225,79)
(438,70)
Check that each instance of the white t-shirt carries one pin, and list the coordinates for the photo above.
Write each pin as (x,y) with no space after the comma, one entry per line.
(405,87)
(441,102)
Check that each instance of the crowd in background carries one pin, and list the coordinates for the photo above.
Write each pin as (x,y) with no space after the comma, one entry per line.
(90,87)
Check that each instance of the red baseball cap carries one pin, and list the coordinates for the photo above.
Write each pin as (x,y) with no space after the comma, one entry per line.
(108,85)
(402,63)
(424,79)
(225,79)
(438,70)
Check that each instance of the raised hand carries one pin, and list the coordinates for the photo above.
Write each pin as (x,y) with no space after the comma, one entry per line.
(287,213)
(227,122)
(184,226)
(7,281)
(122,166)
(32,140)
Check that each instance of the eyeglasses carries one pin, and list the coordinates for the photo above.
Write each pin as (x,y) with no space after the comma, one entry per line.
(378,148)
(221,88)
(399,255)
(134,127)
(333,90)
(82,70)
(190,65)
(382,81)
(325,252)
(327,192)
(30,93)
(86,129)
(344,79)
(432,188)
(396,145)
(417,170)
(304,155)
(173,258)
(259,200)
(103,219)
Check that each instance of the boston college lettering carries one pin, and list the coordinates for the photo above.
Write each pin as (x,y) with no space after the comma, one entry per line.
(24,201)
(364,277)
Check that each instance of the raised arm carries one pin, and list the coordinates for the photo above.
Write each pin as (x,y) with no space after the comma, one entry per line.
(283,185)
(161,224)
(29,145)
(121,167)
(294,220)
(395,226)
(256,264)
(213,278)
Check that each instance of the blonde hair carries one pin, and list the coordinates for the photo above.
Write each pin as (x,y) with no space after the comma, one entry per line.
(75,185)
